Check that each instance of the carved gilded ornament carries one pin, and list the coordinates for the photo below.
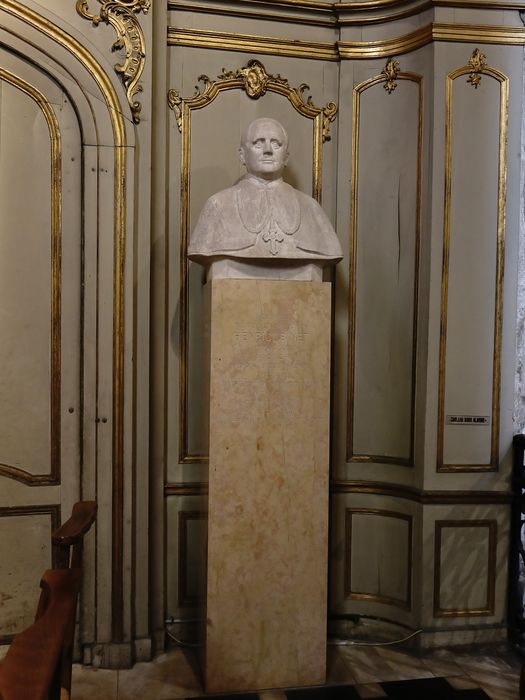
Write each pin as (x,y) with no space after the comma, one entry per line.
(390,73)
(255,81)
(477,63)
(121,14)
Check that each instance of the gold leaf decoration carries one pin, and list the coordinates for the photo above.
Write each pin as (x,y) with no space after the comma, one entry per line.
(390,73)
(255,81)
(121,15)
(175,103)
(477,63)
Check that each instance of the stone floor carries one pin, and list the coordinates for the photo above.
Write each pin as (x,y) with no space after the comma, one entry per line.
(172,675)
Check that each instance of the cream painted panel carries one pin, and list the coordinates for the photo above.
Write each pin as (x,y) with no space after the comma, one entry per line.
(465,550)
(472,268)
(385,260)
(29,392)
(25,282)
(379,556)
(25,553)
(459,575)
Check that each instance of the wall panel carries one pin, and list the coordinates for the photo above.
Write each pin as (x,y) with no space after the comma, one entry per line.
(465,568)
(384,260)
(378,556)
(473,255)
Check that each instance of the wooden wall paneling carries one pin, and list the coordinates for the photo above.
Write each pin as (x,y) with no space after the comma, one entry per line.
(384,266)
(374,556)
(378,556)
(30,283)
(464,562)
(465,568)
(476,113)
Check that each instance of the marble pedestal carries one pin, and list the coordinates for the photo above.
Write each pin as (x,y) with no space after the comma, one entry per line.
(268,485)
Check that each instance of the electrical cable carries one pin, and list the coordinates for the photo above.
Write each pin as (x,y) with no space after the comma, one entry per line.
(180,642)
(352,643)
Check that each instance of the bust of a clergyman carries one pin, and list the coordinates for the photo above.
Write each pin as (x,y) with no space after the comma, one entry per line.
(261,219)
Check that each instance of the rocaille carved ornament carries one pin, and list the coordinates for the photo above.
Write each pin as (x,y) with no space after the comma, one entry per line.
(477,63)
(255,81)
(390,73)
(121,14)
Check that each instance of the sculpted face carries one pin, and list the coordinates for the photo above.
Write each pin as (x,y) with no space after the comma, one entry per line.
(264,149)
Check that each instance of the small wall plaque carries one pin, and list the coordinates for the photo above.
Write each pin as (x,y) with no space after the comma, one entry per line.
(467,420)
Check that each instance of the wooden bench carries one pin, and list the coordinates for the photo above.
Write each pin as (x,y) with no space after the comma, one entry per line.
(38,663)
(32,668)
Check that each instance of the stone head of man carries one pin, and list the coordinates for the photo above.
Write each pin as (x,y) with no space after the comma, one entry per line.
(264,149)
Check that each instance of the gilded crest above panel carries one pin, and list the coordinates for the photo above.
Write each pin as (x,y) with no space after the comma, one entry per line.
(477,64)
(255,81)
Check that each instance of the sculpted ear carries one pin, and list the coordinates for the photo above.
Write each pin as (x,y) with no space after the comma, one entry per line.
(241,155)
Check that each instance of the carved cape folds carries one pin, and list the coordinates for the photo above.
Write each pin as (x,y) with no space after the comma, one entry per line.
(254,219)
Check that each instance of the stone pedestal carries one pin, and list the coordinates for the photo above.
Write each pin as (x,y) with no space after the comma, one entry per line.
(268,485)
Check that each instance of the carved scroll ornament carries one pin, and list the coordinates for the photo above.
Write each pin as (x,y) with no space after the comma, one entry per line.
(255,81)
(121,15)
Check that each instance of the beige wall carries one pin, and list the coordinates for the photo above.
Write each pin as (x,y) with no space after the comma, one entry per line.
(424,326)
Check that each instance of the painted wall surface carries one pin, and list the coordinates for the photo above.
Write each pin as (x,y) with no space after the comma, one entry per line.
(102,384)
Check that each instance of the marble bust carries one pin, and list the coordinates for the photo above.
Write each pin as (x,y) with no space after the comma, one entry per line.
(261,221)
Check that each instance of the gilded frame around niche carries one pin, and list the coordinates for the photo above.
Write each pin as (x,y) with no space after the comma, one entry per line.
(255,82)
(389,77)
(475,69)
(55,141)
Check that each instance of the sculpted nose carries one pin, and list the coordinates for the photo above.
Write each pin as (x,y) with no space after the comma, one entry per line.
(267,147)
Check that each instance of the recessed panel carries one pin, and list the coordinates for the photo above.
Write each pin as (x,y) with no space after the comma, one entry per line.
(25,553)
(378,556)
(465,561)
(384,271)
(472,270)
(26,281)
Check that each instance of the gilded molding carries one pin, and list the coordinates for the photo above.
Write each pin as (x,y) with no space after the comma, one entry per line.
(250,43)
(46,108)
(255,81)
(490,605)
(347,50)
(121,14)
(476,67)
(410,493)
(436,31)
